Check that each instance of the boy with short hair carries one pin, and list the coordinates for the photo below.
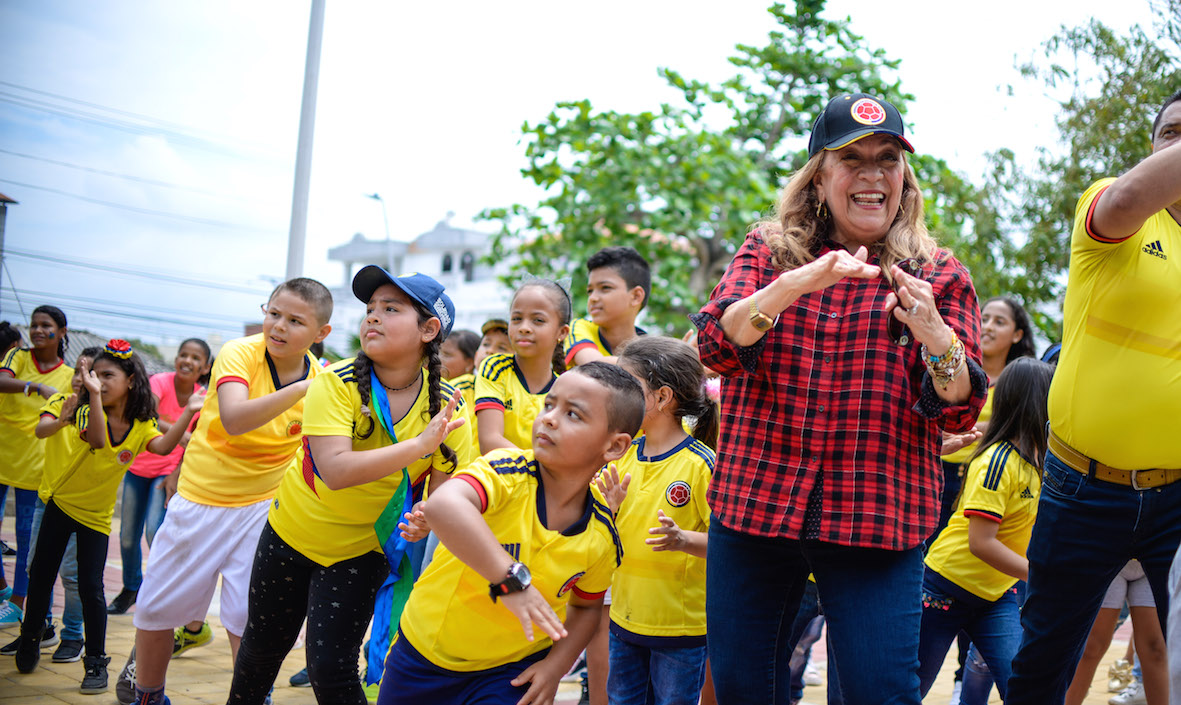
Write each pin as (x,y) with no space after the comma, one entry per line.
(248,432)
(494,340)
(617,290)
(524,543)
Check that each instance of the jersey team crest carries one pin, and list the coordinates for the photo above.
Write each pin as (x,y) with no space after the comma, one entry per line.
(569,584)
(124,457)
(678,493)
(868,111)
(295,428)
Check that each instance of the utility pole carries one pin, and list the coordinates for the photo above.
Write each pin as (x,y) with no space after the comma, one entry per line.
(303,154)
(4,201)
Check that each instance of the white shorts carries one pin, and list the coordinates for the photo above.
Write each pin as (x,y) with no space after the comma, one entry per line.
(194,545)
(1132,585)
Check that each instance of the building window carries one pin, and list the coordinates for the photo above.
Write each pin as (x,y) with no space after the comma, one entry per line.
(447,263)
(468,264)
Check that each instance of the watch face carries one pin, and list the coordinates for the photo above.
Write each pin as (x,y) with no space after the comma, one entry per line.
(521,572)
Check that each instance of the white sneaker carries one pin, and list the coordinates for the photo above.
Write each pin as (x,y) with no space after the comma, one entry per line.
(955,693)
(1132,695)
(812,675)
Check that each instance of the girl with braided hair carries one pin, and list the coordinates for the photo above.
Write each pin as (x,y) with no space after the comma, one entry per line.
(375,428)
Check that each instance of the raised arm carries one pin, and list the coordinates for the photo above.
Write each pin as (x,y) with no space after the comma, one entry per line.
(340,466)
(241,414)
(163,445)
(1147,188)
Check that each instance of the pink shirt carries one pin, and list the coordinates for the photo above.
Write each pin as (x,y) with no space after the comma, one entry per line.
(150,464)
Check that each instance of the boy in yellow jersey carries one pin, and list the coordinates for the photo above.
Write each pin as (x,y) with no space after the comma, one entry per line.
(494,340)
(250,429)
(617,289)
(525,544)
(1111,489)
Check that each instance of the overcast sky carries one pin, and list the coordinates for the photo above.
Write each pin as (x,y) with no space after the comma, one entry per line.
(421,103)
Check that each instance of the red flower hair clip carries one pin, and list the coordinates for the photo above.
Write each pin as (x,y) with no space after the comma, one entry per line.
(119,348)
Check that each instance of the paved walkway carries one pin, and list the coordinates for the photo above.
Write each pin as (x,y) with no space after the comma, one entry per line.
(202,676)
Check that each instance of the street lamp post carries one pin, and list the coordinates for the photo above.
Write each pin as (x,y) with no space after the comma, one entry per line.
(389,244)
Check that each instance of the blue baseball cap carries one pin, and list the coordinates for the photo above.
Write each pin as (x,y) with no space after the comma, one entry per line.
(420,287)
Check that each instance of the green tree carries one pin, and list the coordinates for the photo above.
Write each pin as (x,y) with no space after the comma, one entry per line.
(683,183)
(1110,86)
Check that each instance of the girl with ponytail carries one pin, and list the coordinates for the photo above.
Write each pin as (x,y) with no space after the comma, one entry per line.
(510,389)
(659,607)
(375,428)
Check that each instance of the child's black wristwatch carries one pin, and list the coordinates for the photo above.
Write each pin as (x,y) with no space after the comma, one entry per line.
(518,579)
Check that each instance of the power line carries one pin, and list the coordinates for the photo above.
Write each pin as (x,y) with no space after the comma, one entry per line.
(192,315)
(138,129)
(158,275)
(129,177)
(144,211)
(159,320)
(137,116)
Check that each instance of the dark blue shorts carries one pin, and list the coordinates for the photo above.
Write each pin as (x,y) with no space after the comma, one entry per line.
(410,679)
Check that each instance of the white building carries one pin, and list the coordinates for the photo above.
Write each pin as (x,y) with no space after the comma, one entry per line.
(450,255)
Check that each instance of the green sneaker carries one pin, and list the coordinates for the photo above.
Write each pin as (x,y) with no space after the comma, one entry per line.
(183,639)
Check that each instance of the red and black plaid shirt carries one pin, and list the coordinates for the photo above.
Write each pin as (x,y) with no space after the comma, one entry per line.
(826,391)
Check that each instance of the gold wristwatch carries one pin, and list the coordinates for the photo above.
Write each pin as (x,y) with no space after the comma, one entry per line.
(761,321)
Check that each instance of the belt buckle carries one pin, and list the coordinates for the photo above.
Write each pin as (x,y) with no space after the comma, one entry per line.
(1136,482)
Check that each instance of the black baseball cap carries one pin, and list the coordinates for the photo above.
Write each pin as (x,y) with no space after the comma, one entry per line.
(847,118)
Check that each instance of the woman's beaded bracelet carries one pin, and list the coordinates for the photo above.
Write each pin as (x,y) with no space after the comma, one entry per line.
(945,368)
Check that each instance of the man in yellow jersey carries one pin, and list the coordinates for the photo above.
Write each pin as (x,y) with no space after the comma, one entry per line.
(1111,488)
(516,589)
(248,433)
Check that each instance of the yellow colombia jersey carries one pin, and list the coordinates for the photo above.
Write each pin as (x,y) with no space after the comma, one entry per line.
(466,384)
(85,490)
(451,620)
(221,470)
(22,455)
(329,526)
(962,455)
(500,385)
(1114,394)
(585,333)
(658,596)
(61,449)
(1000,486)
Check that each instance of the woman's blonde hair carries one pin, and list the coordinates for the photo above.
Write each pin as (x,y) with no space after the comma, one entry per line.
(796,230)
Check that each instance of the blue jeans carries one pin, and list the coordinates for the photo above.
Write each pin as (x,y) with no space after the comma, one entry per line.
(994,627)
(871,598)
(805,631)
(643,675)
(143,511)
(68,572)
(26,502)
(1086,531)
(977,681)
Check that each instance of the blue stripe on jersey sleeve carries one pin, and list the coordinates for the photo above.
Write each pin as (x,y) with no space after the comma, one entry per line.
(603,514)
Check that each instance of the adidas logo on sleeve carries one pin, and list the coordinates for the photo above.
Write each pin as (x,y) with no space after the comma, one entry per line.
(1155,249)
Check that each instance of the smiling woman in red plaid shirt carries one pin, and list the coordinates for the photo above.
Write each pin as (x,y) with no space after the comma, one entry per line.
(848,343)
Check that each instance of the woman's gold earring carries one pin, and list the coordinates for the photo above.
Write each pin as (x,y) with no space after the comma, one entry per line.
(820,205)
